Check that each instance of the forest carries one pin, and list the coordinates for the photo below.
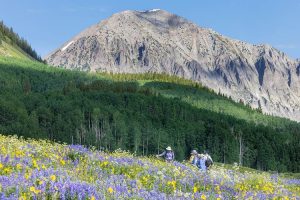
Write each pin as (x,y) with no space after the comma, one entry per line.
(142,114)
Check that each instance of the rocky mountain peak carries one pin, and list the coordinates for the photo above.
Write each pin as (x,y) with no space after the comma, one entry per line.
(159,41)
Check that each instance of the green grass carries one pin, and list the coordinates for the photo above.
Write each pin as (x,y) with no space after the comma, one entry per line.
(9,50)
(290,175)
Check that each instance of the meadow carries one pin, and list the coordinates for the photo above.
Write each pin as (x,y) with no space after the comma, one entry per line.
(40,169)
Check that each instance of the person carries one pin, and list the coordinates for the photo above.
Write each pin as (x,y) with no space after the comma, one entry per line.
(202,162)
(194,158)
(208,160)
(168,154)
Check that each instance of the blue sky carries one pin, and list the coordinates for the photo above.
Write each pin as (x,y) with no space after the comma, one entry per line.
(48,24)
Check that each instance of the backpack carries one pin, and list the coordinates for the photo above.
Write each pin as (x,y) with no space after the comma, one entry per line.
(198,164)
(169,155)
(208,161)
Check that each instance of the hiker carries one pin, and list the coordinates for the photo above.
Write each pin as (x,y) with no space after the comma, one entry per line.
(168,154)
(194,158)
(202,162)
(208,160)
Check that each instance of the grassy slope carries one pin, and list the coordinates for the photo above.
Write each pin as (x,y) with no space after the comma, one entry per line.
(199,97)
(9,50)
(41,169)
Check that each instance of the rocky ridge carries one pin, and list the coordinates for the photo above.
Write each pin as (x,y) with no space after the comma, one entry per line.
(158,41)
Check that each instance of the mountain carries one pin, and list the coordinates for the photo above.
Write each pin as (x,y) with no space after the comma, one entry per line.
(158,41)
(12,45)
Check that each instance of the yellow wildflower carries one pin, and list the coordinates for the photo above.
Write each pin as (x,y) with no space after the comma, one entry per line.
(91,179)
(62,162)
(203,197)
(110,190)
(37,191)
(23,197)
(19,166)
(104,164)
(173,184)
(27,175)
(217,188)
(7,170)
(145,178)
(19,153)
(93,198)
(34,190)
(1,165)
(35,165)
(195,189)
(53,177)
(3,150)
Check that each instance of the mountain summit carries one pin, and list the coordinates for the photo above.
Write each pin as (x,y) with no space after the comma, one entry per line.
(158,41)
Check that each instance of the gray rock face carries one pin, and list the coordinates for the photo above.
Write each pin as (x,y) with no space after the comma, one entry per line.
(157,41)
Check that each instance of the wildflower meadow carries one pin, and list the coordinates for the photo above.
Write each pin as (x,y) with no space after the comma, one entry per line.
(40,169)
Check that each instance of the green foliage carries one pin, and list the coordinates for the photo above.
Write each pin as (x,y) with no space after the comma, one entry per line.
(141,113)
(199,96)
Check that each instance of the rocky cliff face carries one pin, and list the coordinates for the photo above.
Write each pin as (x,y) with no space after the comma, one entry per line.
(157,41)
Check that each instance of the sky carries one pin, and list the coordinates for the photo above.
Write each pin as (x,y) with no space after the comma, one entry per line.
(48,24)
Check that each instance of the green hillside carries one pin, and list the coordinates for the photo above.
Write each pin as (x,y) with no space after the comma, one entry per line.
(12,45)
(10,51)
(200,97)
(142,114)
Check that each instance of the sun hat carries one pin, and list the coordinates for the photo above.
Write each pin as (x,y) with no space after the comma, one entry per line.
(168,148)
(194,152)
